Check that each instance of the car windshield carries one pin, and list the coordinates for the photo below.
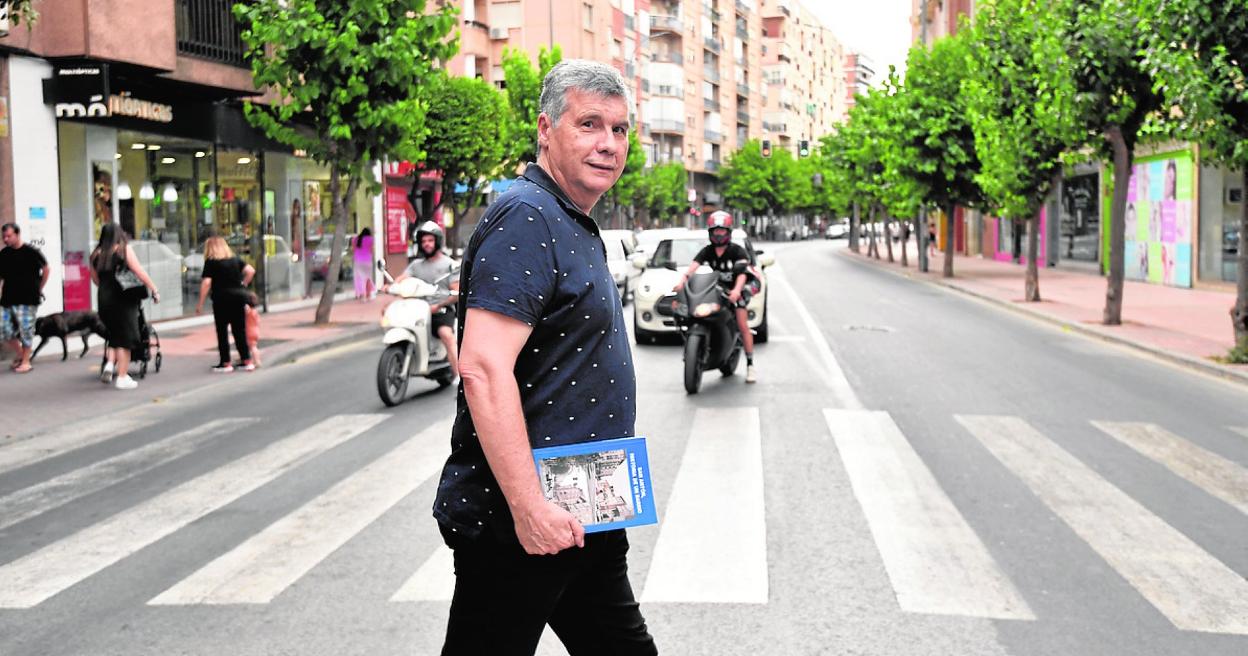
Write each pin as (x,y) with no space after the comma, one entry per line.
(615,249)
(676,252)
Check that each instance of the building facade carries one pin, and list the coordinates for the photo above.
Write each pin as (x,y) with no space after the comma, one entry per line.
(859,76)
(130,112)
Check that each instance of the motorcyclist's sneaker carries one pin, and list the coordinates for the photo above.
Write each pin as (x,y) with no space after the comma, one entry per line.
(751,376)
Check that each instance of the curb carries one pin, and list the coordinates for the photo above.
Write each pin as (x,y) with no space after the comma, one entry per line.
(307,348)
(1221,371)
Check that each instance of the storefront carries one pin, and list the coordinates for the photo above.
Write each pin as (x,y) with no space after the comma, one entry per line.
(1220,214)
(173,163)
(1079,221)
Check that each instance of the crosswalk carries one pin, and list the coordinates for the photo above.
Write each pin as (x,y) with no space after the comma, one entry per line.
(712,544)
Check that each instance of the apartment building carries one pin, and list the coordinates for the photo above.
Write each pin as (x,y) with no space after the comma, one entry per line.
(804,65)
(931,20)
(859,76)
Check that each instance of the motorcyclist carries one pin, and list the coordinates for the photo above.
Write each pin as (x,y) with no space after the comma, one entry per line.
(433,266)
(726,257)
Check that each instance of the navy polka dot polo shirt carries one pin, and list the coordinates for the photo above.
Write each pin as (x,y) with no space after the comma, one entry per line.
(537,258)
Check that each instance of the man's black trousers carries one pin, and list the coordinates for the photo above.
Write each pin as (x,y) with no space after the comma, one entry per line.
(505,597)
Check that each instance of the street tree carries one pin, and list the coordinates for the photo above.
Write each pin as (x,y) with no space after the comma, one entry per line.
(1021,113)
(1199,57)
(345,75)
(746,180)
(524,89)
(471,143)
(662,191)
(625,195)
(1114,96)
(21,11)
(937,144)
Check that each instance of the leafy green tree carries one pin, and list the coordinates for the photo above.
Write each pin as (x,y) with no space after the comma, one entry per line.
(22,11)
(626,194)
(524,89)
(470,146)
(937,146)
(663,192)
(1022,121)
(1114,97)
(745,179)
(345,74)
(1199,55)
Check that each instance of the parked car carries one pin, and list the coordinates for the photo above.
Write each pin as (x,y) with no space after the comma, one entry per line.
(620,245)
(647,239)
(837,230)
(319,259)
(662,270)
(278,258)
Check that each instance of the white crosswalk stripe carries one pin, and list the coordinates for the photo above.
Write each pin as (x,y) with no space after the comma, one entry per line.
(1207,470)
(1194,590)
(69,438)
(53,493)
(434,581)
(1242,430)
(936,562)
(258,570)
(30,580)
(718,491)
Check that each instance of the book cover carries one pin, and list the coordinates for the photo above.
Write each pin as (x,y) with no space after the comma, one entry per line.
(605,484)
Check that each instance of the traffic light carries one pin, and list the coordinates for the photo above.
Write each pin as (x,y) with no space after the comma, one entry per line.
(803,148)
(766,147)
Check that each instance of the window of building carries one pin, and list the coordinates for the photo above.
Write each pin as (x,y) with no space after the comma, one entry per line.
(587,15)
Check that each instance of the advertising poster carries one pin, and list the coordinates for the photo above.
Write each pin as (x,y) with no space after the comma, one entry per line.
(312,208)
(1158,220)
(399,214)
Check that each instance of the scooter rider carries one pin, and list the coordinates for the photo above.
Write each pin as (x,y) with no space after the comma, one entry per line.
(433,266)
(726,257)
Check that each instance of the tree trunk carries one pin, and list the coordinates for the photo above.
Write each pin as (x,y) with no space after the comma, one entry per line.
(1031,292)
(888,235)
(1117,213)
(920,238)
(904,229)
(335,250)
(1239,314)
(948,271)
(873,249)
(854,224)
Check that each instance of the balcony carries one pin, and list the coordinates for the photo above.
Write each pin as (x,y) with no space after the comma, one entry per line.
(712,43)
(711,165)
(743,116)
(645,85)
(713,136)
(775,128)
(667,126)
(669,91)
(666,24)
(669,58)
(786,53)
(630,71)
(710,104)
(743,89)
(711,74)
(741,8)
(742,32)
(630,23)
(206,29)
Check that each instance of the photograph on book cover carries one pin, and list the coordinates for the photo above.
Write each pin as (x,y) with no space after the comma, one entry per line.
(595,487)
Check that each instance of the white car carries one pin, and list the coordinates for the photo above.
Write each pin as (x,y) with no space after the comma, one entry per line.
(671,256)
(647,239)
(837,230)
(620,245)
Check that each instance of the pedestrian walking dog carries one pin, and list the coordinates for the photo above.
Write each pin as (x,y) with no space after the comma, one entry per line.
(65,324)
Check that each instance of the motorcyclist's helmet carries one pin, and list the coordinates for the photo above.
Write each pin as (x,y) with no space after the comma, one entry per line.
(719,227)
(429,228)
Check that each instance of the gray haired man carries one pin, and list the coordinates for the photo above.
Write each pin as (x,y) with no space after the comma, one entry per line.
(545,361)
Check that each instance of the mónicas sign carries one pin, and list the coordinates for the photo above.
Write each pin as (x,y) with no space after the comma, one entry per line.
(82,91)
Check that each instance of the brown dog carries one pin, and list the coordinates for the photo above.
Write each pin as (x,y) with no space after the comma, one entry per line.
(64,324)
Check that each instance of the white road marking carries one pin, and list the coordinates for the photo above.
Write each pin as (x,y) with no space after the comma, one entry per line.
(69,438)
(1194,590)
(30,580)
(1242,430)
(712,544)
(773,338)
(434,581)
(1204,469)
(258,570)
(833,374)
(935,560)
(53,493)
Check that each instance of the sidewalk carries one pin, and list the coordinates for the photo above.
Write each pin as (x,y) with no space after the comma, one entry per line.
(57,393)
(1184,326)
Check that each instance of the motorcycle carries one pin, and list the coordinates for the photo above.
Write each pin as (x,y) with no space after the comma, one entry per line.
(707,324)
(412,349)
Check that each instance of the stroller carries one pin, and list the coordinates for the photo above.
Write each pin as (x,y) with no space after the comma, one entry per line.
(148,351)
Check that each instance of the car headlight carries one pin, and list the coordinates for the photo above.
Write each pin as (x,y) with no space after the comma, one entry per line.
(705,309)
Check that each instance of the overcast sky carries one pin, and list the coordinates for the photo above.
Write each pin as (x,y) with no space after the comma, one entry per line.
(878,28)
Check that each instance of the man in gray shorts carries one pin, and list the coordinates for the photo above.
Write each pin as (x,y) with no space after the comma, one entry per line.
(432,267)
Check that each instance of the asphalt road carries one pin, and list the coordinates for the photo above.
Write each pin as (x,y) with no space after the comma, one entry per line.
(915,473)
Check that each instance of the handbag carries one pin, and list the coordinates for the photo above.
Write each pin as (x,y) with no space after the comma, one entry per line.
(131,287)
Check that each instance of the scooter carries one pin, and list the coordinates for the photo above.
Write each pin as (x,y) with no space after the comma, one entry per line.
(412,349)
(708,326)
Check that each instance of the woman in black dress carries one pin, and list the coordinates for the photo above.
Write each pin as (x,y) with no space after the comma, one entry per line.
(119,310)
(227,277)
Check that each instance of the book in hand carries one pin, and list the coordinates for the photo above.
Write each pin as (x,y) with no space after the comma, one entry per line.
(605,484)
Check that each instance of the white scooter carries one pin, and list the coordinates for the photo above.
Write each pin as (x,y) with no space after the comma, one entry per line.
(412,348)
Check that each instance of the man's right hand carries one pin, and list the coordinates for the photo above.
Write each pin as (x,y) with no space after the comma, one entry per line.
(544,528)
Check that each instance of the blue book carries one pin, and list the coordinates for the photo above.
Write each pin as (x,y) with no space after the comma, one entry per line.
(605,484)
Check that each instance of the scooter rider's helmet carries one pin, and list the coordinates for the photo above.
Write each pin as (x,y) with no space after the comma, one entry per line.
(429,228)
(719,227)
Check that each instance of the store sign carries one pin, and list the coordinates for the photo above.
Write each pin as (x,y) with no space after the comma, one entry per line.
(127,105)
(82,91)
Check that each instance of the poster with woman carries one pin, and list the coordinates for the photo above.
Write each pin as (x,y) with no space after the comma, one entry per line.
(312,208)
(1158,246)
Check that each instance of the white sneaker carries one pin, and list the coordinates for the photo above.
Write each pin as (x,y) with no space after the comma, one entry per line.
(126,383)
(223,368)
(106,375)
(751,376)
